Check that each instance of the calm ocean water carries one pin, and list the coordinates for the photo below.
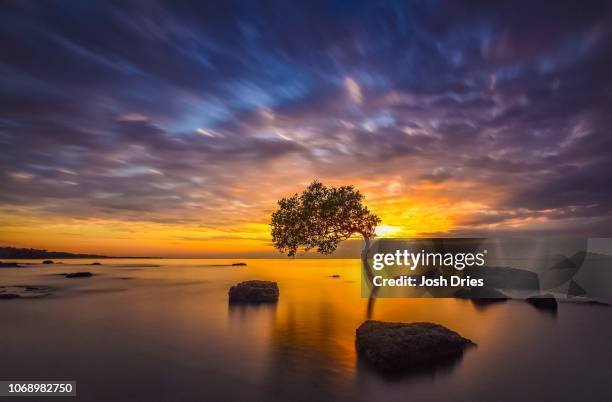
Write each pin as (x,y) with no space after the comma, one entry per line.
(136,332)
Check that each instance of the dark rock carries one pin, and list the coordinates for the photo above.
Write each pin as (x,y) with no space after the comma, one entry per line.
(47,262)
(79,275)
(254,292)
(482,295)
(334,276)
(24,292)
(96,263)
(393,346)
(8,296)
(9,265)
(545,301)
(239,264)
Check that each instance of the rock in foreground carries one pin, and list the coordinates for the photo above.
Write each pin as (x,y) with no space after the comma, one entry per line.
(545,302)
(393,346)
(254,292)
(79,275)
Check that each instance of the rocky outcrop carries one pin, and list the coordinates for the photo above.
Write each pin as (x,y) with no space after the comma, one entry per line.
(394,346)
(9,265)
(79,275)
(239,264)
(254,292)
(545,302)
(47,262)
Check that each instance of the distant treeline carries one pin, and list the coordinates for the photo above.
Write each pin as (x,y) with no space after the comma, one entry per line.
(12,252)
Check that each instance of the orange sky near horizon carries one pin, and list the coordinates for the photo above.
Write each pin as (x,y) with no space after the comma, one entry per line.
(425,210)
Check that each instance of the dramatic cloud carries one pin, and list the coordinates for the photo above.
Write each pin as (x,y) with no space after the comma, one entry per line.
(478,116)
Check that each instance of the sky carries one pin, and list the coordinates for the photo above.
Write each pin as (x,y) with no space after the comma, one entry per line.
(172,128)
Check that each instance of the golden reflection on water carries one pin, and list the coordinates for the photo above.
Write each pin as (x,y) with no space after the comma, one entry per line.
(167,301)
(170,320)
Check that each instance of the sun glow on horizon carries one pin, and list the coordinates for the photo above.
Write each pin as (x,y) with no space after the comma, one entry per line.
(241,228)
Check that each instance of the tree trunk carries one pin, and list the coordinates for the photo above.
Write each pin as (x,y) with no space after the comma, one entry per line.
(364,259)
(370,276)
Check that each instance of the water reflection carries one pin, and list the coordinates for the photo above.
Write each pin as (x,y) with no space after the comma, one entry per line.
(444,367)
(172,333)
(244,311)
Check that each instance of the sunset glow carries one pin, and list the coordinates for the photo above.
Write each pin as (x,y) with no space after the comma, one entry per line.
(177,139)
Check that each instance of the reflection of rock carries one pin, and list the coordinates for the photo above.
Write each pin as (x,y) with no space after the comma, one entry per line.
(47,262)
(391,346)
(239,264)
(545,301)
(505,277)
(79,275)
(9,265)
(481,295)
(254,292)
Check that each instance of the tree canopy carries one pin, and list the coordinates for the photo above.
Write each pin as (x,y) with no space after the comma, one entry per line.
(321,217)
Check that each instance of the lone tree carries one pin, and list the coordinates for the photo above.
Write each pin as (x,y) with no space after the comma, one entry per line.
(321,217)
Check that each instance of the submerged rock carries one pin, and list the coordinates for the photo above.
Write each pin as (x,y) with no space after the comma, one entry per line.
(79,275)
(254,292)
(392,346)
(482,295)
(9,265)
(545,301)
(24,292)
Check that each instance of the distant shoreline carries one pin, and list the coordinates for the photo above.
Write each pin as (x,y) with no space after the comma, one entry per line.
(13,253)
(79,258)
